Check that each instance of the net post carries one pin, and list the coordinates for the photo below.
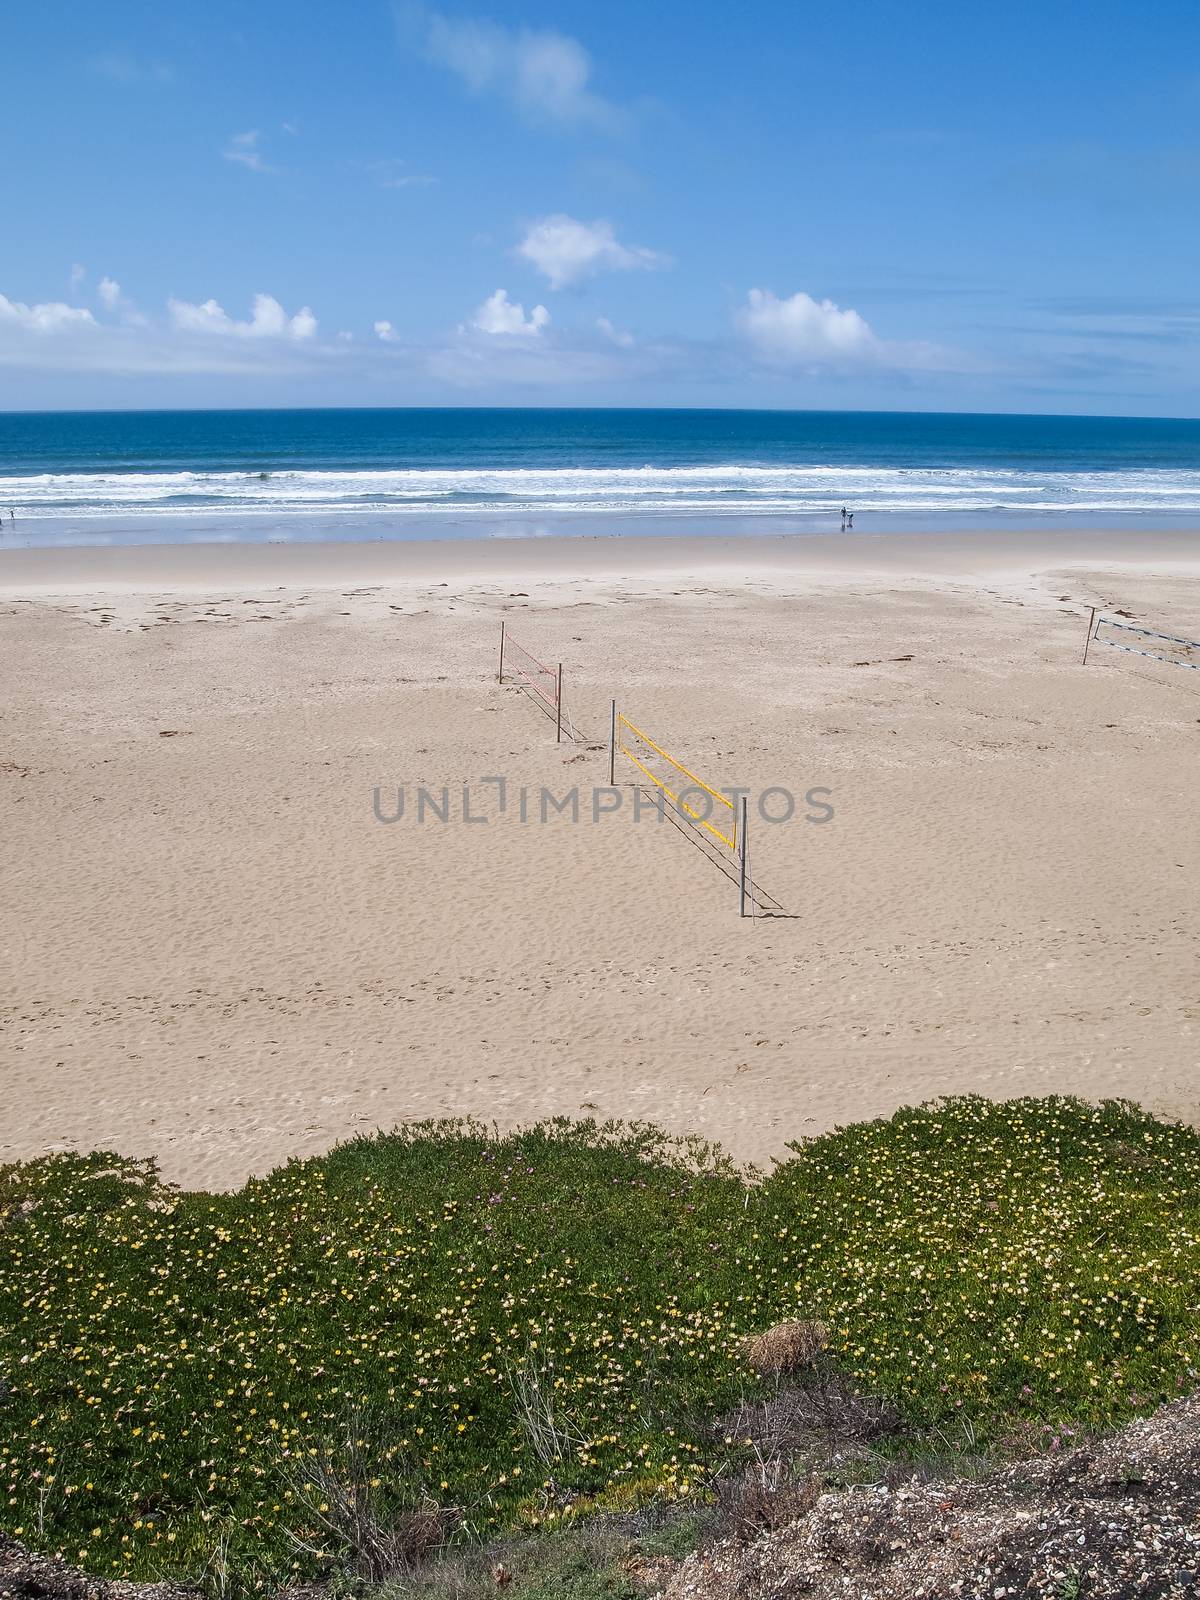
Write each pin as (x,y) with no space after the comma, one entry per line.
(612,748)
(742,865)
(558,704)
(1088,642)
(500,674)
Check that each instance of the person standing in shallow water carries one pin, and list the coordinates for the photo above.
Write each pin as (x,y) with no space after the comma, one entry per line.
(843,519)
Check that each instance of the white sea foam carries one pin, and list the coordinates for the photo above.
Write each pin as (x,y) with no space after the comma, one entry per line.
(695,490)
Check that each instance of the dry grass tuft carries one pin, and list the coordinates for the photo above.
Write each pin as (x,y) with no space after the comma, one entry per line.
(786,1348)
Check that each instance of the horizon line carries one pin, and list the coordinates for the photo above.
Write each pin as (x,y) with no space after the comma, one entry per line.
(795,411)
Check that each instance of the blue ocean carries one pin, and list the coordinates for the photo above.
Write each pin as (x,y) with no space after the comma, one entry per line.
(80,478)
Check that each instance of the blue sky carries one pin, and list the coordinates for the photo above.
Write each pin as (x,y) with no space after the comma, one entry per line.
(857,205)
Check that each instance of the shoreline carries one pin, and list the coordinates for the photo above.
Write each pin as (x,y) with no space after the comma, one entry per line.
(446,525)
(186,568)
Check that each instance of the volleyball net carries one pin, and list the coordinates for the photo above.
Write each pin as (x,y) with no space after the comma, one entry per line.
(544,682)
(520,663)
(1134,641)
(705,806)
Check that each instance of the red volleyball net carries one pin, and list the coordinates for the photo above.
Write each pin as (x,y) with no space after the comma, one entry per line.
(520,663)
(544,682)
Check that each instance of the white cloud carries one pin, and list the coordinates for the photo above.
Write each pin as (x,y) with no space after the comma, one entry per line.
(625,340)
(506,347)
(268,319)
(564,250)
(243,148)
(65,353)
(499,314)
(303,325)
(543,74)
(50,317)
(78,274)
(62,343)
(818,335)
(801,329)
(114,300)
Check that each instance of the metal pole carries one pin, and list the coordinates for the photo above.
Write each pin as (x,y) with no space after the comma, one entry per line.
(500,677)
(742,884)
(612,748)
(1088,645)
(558,705)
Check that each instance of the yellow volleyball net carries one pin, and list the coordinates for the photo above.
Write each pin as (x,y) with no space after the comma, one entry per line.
(704,805)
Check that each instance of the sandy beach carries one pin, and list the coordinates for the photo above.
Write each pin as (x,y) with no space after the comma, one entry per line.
(215,954)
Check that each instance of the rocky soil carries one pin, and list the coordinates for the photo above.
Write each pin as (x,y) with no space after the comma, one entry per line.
(1115,1520)
(43,1578)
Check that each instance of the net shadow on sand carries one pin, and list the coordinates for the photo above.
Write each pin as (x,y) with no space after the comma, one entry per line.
(764,904)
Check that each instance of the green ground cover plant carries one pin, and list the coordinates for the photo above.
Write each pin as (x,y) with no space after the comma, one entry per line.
(442,1332)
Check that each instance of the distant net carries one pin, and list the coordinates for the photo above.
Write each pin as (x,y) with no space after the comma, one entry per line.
(543,681)
(705,806)
(522,663)
(1167,647)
